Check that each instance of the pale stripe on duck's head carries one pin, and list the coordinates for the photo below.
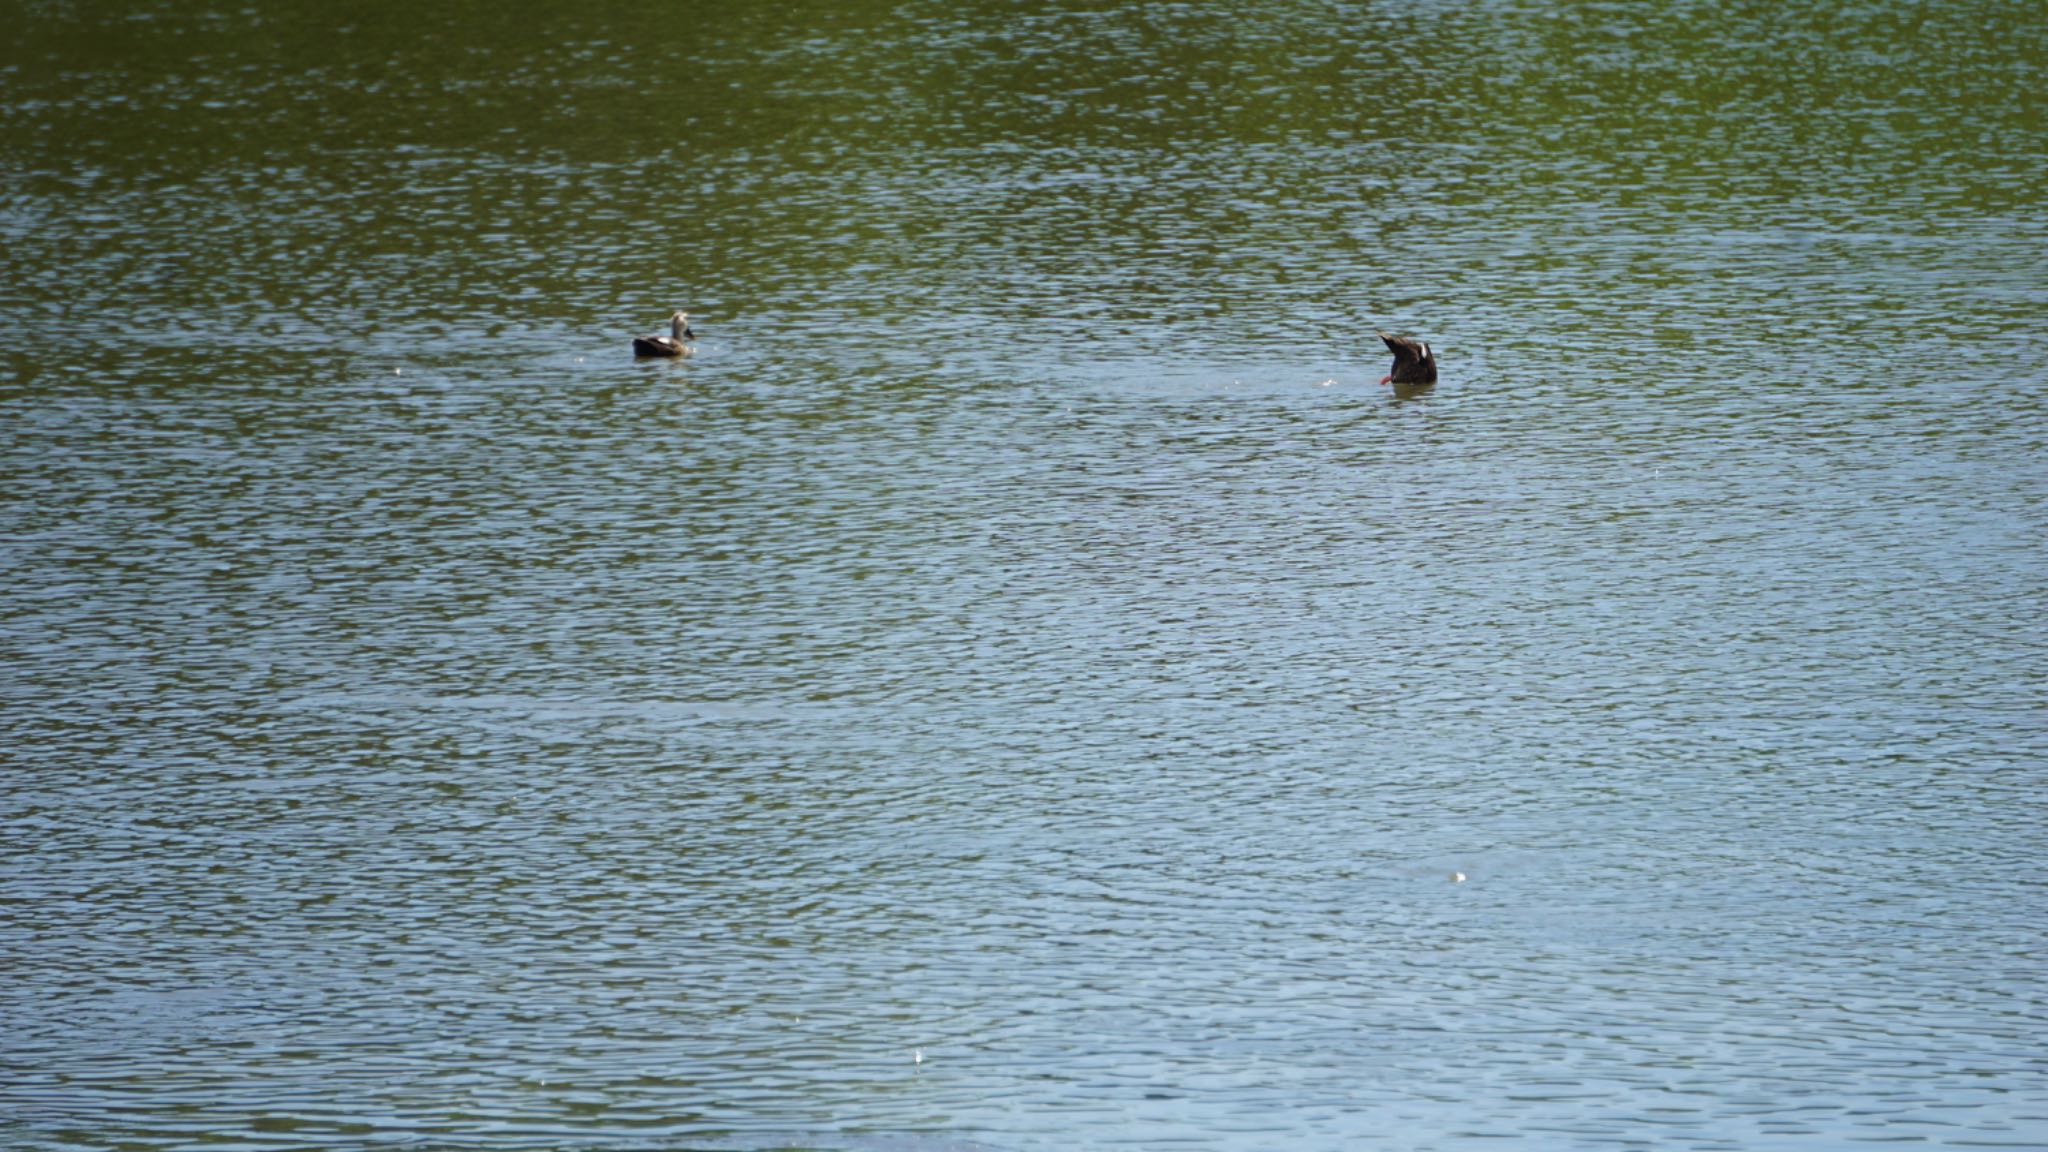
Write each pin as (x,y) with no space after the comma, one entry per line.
(678,324)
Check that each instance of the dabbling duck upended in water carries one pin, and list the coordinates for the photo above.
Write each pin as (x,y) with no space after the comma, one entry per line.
(676,343)
(1414,364)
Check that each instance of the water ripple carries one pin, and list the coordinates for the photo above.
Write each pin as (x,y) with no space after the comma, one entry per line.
(1020,685)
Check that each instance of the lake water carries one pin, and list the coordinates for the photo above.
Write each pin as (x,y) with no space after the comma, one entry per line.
(1022,684)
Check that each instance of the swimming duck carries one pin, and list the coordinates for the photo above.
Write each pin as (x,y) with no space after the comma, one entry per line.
(1414,364)
(673,344)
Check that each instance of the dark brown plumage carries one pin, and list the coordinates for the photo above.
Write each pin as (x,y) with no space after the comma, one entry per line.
(1414,363)
(676,343)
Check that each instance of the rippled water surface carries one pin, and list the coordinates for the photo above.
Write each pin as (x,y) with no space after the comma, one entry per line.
(1022,684)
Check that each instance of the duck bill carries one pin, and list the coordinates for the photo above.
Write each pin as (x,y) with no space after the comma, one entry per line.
(1388,379)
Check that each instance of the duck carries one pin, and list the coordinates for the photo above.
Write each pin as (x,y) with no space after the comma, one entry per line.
(1414,364)
(676,343)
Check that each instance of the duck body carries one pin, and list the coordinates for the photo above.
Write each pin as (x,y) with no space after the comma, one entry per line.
(1414,364)
(676,343)
(659,346)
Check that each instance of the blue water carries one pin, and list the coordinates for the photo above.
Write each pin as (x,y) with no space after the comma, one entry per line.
(1020,684)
